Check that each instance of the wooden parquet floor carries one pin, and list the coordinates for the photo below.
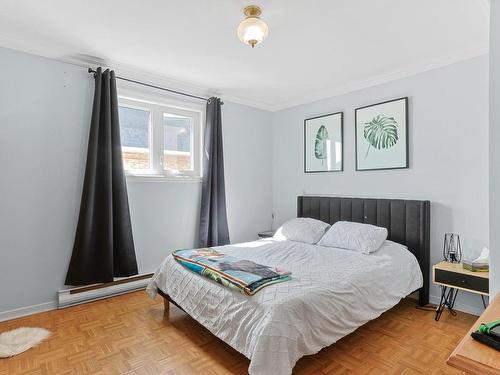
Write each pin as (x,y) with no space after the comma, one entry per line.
(130,335)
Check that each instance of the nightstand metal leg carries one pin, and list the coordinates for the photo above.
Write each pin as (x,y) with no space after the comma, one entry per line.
(440,307)
(484,303)
(448,297)
(452,304)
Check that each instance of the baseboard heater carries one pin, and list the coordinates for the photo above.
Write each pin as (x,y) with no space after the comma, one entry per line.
(88,293)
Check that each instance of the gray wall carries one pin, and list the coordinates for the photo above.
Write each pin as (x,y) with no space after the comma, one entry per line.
(44,122)
(494,146)
(165,215)
(448,155)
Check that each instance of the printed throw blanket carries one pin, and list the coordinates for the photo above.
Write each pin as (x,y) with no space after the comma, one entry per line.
(242,275)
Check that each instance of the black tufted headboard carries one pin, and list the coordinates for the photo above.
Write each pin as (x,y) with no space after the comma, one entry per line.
(407,221)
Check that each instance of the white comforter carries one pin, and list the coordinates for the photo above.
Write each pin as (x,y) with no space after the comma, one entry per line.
(332,292)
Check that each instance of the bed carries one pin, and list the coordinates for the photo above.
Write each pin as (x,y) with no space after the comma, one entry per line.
(332,291)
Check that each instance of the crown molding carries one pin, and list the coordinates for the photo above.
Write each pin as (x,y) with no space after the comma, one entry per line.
(381,79)
(139,74)
(128,71)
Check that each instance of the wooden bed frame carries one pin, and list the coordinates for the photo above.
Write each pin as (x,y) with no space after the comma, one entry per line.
(166,300)
(407,222)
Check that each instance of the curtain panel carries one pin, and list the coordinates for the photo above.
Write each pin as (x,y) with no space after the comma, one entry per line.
(213,229)
(104,245)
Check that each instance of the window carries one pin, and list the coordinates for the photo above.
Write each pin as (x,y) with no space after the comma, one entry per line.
(159,139)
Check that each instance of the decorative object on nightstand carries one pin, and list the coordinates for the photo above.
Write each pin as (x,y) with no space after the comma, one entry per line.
(452,249)
(480,264)
(452,277)
(266,234)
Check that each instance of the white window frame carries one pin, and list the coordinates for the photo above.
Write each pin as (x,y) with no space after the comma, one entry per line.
(157,106)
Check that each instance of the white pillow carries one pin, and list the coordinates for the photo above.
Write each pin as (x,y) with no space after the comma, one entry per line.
(302,229)
(364,238)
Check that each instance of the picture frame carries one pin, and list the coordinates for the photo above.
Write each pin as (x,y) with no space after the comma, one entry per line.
(382,135)
(324,143)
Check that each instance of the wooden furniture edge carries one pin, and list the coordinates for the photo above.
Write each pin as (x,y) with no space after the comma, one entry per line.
(457,287)
(464,364)
(468,364)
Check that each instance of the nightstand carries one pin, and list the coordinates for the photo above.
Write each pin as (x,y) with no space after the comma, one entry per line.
(452,277)
(266,234)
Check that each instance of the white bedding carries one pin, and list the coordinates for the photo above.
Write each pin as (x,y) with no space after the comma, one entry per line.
(332,292)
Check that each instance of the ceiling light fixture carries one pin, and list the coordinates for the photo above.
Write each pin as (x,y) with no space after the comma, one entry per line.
(252,30)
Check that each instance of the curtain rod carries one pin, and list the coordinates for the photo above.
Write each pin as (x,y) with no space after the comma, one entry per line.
(90,70)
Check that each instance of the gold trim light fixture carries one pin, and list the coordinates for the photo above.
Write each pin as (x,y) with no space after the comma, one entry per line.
(252,30)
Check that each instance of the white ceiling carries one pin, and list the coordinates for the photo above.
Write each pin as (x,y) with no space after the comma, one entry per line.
(315,49)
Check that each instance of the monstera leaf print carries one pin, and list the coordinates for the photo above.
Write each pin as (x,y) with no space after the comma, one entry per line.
(381,132)
(320,148)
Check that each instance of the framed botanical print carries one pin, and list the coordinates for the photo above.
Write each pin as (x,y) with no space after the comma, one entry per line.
(323,143)
(382,135)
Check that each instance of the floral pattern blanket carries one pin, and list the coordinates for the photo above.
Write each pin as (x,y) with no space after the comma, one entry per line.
(245,276)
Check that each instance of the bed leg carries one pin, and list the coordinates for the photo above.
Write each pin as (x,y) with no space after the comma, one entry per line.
(166,306)
(423,295)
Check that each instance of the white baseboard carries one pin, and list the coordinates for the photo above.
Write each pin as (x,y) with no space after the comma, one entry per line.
(459,306)
(27,310)
(71,297)
(474,310)
(76,296)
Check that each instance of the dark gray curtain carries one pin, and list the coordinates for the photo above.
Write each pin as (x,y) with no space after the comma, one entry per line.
(213,218)
(104,246)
